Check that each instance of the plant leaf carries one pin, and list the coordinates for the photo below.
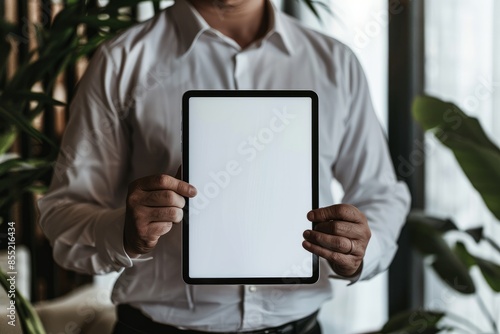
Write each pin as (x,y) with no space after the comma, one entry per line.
(478,156)
(491,273)
(112,23)
(464,254)
(454,273)
(490,270)
(475,233)
(18,120)
(7,139)
(441,225)
(446,263)
(9,164)
(30,322)
(35,96)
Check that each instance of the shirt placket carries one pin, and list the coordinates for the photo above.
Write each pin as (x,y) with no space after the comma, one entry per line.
(242,73)
(252,307)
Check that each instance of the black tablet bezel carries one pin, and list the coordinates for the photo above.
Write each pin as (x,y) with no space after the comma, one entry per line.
(185,176)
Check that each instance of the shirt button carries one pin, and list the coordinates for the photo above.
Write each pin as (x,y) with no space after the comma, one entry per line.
(252,288)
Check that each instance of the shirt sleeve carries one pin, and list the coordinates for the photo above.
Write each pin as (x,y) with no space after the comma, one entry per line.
(365,170)
(83,213)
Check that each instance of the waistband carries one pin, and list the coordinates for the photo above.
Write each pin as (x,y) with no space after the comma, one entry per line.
(133,321)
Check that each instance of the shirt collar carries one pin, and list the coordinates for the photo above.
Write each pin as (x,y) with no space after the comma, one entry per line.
(191,26)
(189,23)
(278,28)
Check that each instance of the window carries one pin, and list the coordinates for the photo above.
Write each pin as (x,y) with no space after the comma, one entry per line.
(462,66)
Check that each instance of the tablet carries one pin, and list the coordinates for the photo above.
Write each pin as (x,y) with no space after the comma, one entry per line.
(253,156)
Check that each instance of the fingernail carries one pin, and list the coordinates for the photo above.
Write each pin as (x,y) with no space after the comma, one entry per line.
(310,215)
(192,191)
(307,234)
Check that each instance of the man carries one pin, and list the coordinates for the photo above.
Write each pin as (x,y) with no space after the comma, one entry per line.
(115,205)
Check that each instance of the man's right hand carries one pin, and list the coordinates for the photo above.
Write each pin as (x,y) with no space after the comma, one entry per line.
(154,203)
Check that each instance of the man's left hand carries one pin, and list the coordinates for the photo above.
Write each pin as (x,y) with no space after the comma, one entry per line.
(340,235)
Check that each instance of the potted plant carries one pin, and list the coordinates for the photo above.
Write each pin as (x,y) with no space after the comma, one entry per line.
(479,158)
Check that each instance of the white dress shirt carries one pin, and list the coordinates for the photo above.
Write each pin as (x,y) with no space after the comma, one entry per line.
(125,124)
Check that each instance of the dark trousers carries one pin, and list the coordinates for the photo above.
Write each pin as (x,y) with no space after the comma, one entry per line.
(133,321)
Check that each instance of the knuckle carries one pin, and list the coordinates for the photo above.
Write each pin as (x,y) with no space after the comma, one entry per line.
(176,214)
(324,214)
(342,261)
(163,179)
(344,209)
(156,196)
(170,213)
(169,197)
(160,178)
(320,238)
(173,198)
(132,198)
(341,228)
(333,257)
(180,215)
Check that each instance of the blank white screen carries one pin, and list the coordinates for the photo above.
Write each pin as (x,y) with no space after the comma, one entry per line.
(251,161)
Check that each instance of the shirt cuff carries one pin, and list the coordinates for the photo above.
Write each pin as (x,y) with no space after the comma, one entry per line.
(351,280)
(109,240)
(372,258)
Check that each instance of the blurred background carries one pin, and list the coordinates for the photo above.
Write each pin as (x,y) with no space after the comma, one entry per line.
(448,49)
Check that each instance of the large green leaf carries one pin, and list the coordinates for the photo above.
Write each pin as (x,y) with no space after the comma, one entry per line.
(445,262)
(478,156)
(490,270)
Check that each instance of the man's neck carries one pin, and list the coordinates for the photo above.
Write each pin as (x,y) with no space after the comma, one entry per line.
(245,21)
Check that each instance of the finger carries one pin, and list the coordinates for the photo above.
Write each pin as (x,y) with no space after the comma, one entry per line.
(341,228)
(167,182)
(338,259)
(331,242)
(163,198)
(157,229)
(343,212)
(163,214)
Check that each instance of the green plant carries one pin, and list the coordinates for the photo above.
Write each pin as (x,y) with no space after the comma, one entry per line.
(480,160)
(25,314)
